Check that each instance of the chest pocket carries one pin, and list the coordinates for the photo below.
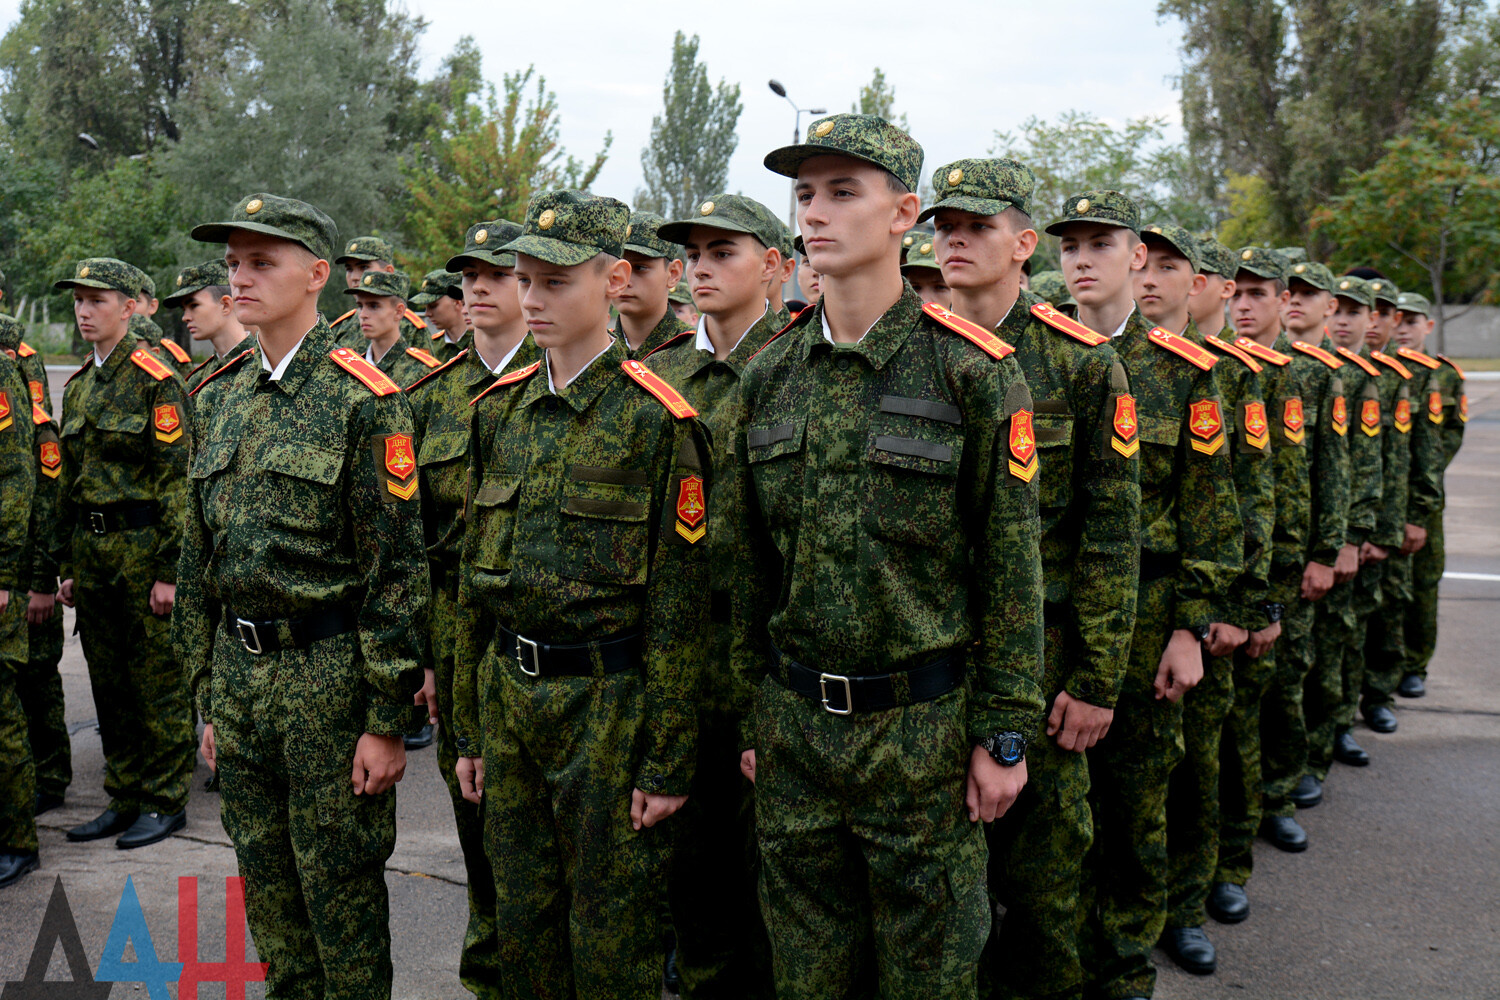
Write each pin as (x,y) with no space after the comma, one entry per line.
(492,524)
(1054,436)
(605,524)
(439,448)
(122,436)
(304,493)
(914,451)
(774,452)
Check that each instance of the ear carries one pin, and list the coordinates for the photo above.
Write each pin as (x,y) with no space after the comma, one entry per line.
(226,305)
(317,275)
(617,277)
(1138,256)
(1025,245)
(1228,292)
(674,272)
(131,308)
(908,207)
(1200,282)
(1286,296)
(770,264)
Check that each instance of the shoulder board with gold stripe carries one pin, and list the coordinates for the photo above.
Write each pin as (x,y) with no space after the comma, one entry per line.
(1314,351)
(1235,352)
(1419,357)
(229,365)
(25,350)
(149,363)
(374,379)
(438,335)
(440,369)
(1262,352)
(415,320)
(673,340)
(509,378)
(424,357)
(1460,371)
(81,369)
(1369,369)
(175,349)
(1064,323)
(660,388)
(1391,363)
(208,361)
(38,415)
(986,340)
(1183,348)
(346,315)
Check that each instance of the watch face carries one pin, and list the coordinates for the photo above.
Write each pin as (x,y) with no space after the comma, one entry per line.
(1011,748)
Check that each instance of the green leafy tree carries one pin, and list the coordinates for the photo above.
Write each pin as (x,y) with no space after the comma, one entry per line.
(692,139)
(879,98)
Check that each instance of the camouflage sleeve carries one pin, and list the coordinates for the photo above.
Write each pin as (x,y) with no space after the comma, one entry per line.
(1456,413)
(1330,472)
(1109,545)
(195,615)
(170,466)
(754,598)
(67,508)
(1425,482)
(1209,535)
(34,370)
(44,509)
(1365,481)
(1395,471)
(1255,490)
(476,627)
(17,484)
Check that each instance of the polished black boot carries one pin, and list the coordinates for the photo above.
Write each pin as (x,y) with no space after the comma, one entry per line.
(1346,751)
(1227,903)
(150,828)
(1411,686)
(1381,719)
(106,824)
(1285,833)
(1190,948)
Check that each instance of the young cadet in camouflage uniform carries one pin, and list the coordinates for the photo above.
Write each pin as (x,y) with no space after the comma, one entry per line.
(892,512)
(682,304)
(647,319)
(582,549)
(441,299)
(144,328)
(381,298)
(302,577)
(202,292)
(722,949)
(362,255)
(1090,518)
(775,291)
(922,272)
(1444,407)
(1191,545)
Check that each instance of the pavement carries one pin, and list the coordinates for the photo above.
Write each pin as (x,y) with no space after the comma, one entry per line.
(1397,896)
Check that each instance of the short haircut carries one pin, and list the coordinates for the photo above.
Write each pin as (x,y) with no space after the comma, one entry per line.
(896,184)
(218,291)
(1018,220)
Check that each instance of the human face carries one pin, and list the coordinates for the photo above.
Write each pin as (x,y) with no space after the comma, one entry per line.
(1163,286)
(1256,305)
(379,315)
(1307,309)
(271,278)
(446,313)
(1207,306)
(566,305)
(975,251)
(1382,325)
(685,313)
(103,314)
(204,313)
(727,272)
(1349,324)
(491,296)
(848,215)
(1097,261)
(354,270)
(807,280)
(651,281)
(928,283)
(1412,330)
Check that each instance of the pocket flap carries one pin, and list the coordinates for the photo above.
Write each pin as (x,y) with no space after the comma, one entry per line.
(207,461)
(1052,428)
(496,488)
(1159,430)
(304,461)
(444,447)
(121,423)
(767,441)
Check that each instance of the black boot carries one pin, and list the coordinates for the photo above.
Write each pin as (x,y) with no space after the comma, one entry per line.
(1227,903)
(1308,793)
(150,828)
(1381,719)
(106,824)
(419,739)
(14,864)
(1346,751)
(1284,832)
(1411,686)
(1191,949)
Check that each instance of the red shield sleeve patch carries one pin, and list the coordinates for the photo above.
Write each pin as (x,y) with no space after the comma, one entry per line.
(1369,417)
(1463,408)
(691,509)
(1126,426)
(38,392)
(50,456)
(1403,415)
(1257,427)
(400,466)
(6,417)
(166,422)
(1022,439)
(1435,407)
(1292,420)
(1340,416)
(1205,426)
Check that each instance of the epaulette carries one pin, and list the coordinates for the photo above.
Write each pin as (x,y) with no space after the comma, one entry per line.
(1419,357)
(25,350)
(1391,363)
(673,340)
(1370,369)
(346,315)
(415,320)
(208,361)
(229,365)
(1183,348)
(986,340)
(1235,352)
(1262,352)
(148,363)
(1460,371)
(175,349)
(1314,351)
(805,314)
(1064,323)
(439,335)
(509,378)
(38,415)
(660,388)
(374,379)
(424,357)
(440,369)
(81,369)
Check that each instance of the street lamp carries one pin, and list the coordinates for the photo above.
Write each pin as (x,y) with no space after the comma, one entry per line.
(780,91)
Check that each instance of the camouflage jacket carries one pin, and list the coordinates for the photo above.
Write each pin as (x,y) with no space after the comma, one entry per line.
(1089,499)
(19,527)
(587,507)
(1325,422)
(1286,398)
(667,328)
(1428,453)
(1396,417)
(1362,391)
(403,363)
(346,331)
(171,353)
(195,377)
(34,371)
(303,499)
(1449,380)
(438,346)
(892,507)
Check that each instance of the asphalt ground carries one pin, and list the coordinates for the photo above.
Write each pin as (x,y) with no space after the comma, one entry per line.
(1397,896)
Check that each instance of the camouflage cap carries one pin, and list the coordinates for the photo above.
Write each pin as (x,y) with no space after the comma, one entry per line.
(283,218)
(104,272)
(569,227)
(1310,272)
(783,240)
(732,213)
(1263,262)
(381,283)
(862,137)
(10,333)
(643,236)
(1051,286)
(193,279)
(1215,258)
(435,285)
(681,294)
(1110,208)
(1179,239)
(1354,289)
(922,252)
(1293,255)
(367,248)
(1384,290)
(483,241)
(1411,302)
(148,285)
(984,187)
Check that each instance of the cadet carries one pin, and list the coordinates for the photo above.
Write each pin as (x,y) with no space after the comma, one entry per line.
(780,307)
(1090,517)
(646,318)
(144,328)
(381,298)
(1050,287)
(808,280)
(297,632)
(362,255)
(901,594)
(682,305)
(923,273)
(1445,408)
(208,313)
(441,299)
(1191,543)
(125,444)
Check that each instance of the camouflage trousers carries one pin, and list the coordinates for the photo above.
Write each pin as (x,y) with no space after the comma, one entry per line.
(1283,728)
(41,692)
(312,853)
(17,772)
(1323,689)
(1364,605)
(872,876)
(576,888)
(1422,610)
(1385,638)
(1240,782)
(1193,808)
(140,690)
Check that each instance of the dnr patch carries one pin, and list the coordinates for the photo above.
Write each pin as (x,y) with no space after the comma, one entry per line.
(1206,425)
(166,422)
(1127,427)
(1023,460)
(399,462)
(691,509)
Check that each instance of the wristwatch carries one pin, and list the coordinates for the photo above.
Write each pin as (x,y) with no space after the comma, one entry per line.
(1274,611)
(1201,631)
(1008,749)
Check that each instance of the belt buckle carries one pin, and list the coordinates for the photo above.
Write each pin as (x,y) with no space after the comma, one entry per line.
(96,522)
(536,664)
(252,644)
(848,708)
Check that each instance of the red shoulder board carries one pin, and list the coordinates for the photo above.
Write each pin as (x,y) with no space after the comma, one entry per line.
(415,320)
(673,340)
(148,363)
(1418,357)
(175,349)
(229,365)
(658,387)
(1369,369)
(207,361)
(1393,364)
(1235,352)
(424,357)
(25,350)
(438,335)
(81,369)
(38,415)
(1318,352)
(1067,324)
(346,315)
(440,368)
(374,379)
(986,340)
(1454,364)
(1183,348)
(1264,353)
(509,378)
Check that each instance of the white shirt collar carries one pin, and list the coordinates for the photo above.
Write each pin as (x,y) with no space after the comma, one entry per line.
(280,369)
(1122,325)
(552,387)
(500,367)
(448,337)
(98,361)
(705,344)
(828,333)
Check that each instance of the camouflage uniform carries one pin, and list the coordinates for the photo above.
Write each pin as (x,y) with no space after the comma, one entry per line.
(346,329)
(191,281)
(143,327)
(125,445)
(642,237)
(1051,287)
(20,524)
(404,363)
(436,285)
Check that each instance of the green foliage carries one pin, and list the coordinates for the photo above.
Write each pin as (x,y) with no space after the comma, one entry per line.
(879,98)
(692,139)
(1252,213)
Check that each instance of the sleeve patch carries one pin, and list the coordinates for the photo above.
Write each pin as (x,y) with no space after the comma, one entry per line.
(1023,461)
(39,415)
(1206,426)
(1402,416)
(1126,426)
(1369,417)
(167,422)
(691,509)
(398,466)
(1340,416)
(7,417)
(49,454)
(1293,420)
(986,340)
(1435,407)
(1255,425)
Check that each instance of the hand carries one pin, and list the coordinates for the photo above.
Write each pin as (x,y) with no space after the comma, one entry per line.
(991,788)
(470,771)
(39,607)
(1369,553)
(1416,537)
(65,593)
(648,808)
(427,694)
(163,596)
(1224,638)
(1347,564)
(1317,581)
(1181,666)
(4,599)
(206,747)
(1261,642)
(1075,724)
(379,762)
(747,765)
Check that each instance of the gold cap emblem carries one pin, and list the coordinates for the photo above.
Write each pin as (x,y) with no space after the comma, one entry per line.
(823,128)
(254,205)
(1376,286)
(353,247)
(707,208)
(83,272)
(1300,268)
(1343,286)
(925,248)
(955,177)
(628,230)
(1155,229)
(1247,255)
(179,281)
(369,279)
(545,220)
(482,235)
(1082,206)
(908,241)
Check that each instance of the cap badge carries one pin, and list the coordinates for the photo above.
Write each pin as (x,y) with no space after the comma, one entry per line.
(707,208)
(179,281)
(83,272)
(823,127)
(1343,286)
(628,230)
(955,177)
(482,235)
(1247,255)
(1156,230)
(353,247)
(254,205)
(546,219)
(1300,268)
(369,279)
(908,241)
(925,248)
(1082,206)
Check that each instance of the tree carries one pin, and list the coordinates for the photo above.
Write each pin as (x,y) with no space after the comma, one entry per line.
(692,139)
(879,98)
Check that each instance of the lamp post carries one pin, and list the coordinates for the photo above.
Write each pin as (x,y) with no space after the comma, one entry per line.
(780,91)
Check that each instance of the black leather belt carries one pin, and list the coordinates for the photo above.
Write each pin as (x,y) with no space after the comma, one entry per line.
(122,517)
(535,658)
(845,695)
(262,637)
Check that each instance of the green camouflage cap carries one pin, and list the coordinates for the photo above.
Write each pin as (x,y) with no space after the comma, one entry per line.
(1215,258)
(681,294)
(569,227)
(435,285)
(10,333)
(1263,262)
(483,241)
(283,218)
(193,279)
(1411,302)
(732,213)
(862,137)
(642,235)
(783,242)
(1177,238)
(104,272)
(1310,272)
(367,248)
(1355,290)
(148,285)
(1108,207)
(1051,286)
(1293,255)
(983,187)
(381,283)
(922,252)
(1385,290)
